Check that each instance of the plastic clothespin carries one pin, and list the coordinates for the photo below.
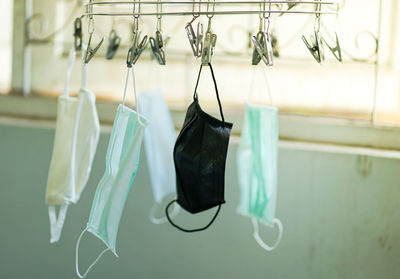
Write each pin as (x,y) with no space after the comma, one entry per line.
(316,47)
(113,43)
(78,34)
(157,48)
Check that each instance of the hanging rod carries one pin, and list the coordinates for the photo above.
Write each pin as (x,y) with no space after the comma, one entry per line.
(89,7)
(207,13)
(210,3)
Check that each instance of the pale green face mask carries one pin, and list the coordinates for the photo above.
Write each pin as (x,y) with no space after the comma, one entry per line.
(122,160)
(257,168)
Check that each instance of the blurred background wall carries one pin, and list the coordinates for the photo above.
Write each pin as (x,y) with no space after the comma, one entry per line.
(339,212)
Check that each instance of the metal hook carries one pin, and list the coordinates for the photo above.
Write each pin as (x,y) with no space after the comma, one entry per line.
(113,43)
(210,41)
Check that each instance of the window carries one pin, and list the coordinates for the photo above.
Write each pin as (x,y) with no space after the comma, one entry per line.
(298,84)
(5,45)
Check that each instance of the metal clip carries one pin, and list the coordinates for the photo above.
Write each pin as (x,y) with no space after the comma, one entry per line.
(90,52)
(316,47)
(336,50)
(113,43)
(78,34)
(157,48)
(195,39)
(209,43)
(256,58)
(208,50)
(136,49)
(263,45)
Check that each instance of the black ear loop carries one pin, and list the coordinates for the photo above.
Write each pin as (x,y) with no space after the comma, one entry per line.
(192,230)
(195,96)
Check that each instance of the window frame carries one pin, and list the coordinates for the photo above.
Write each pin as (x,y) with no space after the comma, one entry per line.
(292,127)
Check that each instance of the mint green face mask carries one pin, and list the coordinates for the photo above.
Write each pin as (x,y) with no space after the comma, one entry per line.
(257,158)
(122,160)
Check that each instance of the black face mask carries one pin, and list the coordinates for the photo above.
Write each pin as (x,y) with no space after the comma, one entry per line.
(200,155)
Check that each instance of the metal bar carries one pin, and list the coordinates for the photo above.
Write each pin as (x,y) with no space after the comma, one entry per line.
(207,3)
(185,13)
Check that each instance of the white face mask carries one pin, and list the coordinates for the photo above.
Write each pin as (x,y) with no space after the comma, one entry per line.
(159,140)
(75,143)
(122,160)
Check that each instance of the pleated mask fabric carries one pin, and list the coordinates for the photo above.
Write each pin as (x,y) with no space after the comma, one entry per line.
(200,156)
(122,160)
(159,139)
(257,161)
(75,144)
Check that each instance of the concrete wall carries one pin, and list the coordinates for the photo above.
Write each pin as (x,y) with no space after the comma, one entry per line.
(340,214)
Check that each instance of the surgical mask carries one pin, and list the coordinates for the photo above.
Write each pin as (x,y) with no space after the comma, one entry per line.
(257,158)
(75,143)
(159,138)
(200,155)
(122,160)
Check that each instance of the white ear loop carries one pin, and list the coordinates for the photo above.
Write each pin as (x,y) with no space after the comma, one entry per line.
(252,78)
(84,79)
(57,223)
(134,92)
(77,257)
(257,237)
(164,219)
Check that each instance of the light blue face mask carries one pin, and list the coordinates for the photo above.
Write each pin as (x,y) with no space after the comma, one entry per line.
(122,160)
(159,140)
(257,159)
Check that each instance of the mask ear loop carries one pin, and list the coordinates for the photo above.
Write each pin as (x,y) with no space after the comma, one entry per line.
(71,60)
(134,91)
(77,257)
(252,80)
(56,224)
(257,236)
(195,95)
(162,220)
(190,230)
(84,79)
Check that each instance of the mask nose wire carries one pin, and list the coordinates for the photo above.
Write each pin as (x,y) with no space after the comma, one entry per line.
(257,236)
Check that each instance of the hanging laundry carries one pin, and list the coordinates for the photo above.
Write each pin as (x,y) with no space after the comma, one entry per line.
(122,160)
(75,143)
(257,159)
(159,138)
(200,155)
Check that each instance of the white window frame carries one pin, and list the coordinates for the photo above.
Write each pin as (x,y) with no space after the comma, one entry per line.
(292,127)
